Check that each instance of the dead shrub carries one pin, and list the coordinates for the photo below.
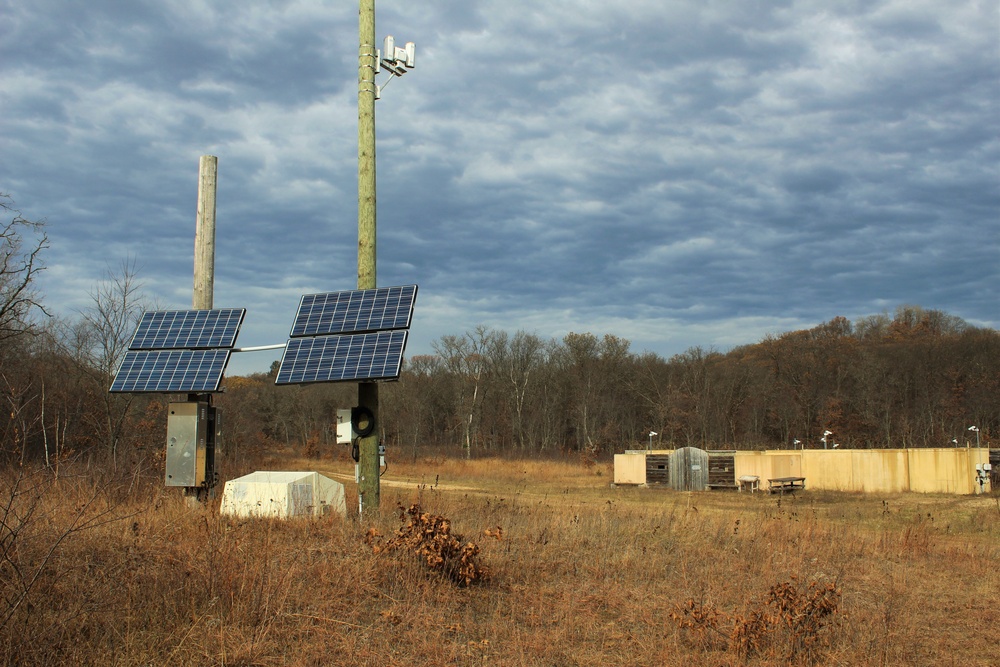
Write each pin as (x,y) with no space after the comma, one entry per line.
(429,536)
(785,624)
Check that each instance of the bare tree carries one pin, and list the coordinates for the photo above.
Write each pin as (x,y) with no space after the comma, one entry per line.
(464,359)
(100,340)
(21,245)
(517,360)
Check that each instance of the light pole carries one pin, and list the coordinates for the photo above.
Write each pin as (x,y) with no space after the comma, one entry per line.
(976,429)
(823,439)
(651,434)
(795,443)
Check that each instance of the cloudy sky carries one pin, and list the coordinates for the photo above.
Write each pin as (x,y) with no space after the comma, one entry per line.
(673,172)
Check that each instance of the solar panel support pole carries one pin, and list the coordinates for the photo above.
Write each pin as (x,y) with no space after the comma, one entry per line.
(368,457)
(204,234)
(204,289)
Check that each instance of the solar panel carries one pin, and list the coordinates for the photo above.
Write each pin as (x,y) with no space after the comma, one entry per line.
(354,311)
(187,329)
(168,371)
(366,356)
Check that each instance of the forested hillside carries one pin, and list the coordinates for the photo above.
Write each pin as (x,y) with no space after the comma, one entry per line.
(917,379)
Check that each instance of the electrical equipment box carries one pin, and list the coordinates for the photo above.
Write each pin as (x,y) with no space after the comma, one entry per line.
(345,434)
(352,423)
(187,443)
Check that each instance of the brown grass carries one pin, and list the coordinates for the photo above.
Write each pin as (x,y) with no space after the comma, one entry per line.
(583,574)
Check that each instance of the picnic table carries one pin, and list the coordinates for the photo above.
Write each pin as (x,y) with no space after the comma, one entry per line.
(786,484)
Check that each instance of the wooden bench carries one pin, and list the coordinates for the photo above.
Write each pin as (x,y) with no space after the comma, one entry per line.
(749,482)
(786,484)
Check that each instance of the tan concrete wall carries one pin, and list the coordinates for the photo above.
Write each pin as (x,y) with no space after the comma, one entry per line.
(945,470)
(630,468)
(752,463)
(768,465)
(871,470)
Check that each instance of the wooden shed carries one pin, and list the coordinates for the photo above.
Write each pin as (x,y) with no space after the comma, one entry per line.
(689,469)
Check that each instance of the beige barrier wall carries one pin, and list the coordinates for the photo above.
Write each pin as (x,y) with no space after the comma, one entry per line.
(883,470)
(768,465)
(630,468)
(946,470)
(752,463)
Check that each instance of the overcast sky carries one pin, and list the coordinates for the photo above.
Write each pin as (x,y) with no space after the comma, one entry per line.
(673,172)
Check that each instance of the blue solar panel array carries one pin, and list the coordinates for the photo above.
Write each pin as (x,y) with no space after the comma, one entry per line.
(169,371)
(175,351)
(187,329)
(355,335)
(367,356)
(354,311)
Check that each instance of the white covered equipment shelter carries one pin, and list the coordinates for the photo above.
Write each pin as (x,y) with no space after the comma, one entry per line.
(283,494)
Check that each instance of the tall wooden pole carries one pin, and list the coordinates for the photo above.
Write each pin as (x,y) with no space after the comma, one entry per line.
(204,295)
(368,455)
(204,234)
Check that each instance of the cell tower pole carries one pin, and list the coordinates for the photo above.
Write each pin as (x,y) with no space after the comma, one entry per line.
(368,455)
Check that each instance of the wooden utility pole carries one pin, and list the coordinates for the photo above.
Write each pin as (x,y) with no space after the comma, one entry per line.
(204,296)
(204,234)
(368,455)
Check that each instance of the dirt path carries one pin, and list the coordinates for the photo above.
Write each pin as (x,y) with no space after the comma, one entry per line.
(346,479)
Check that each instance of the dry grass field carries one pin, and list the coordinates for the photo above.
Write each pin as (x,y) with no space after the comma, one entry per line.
(579,573)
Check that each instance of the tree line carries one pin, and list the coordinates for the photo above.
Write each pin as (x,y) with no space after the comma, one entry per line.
(916,378)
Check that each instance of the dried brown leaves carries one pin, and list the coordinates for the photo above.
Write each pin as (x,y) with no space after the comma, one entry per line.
(429,536)
(785,624)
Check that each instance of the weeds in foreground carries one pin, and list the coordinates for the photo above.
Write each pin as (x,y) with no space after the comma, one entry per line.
(582,575)
(429,536)
(785,624)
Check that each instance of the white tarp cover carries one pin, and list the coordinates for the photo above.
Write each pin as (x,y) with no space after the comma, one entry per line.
(283,494)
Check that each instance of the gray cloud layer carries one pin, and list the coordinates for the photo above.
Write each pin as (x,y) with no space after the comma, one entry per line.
(686,173)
